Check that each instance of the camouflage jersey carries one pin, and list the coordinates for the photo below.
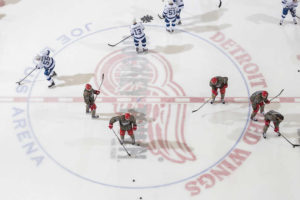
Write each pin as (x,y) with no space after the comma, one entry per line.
(89,96)
(273,116)
(125,125)
(256,98)
(221,82)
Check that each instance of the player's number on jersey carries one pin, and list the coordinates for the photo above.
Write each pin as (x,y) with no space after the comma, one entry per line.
(137,31)
(46,61)
(172,12)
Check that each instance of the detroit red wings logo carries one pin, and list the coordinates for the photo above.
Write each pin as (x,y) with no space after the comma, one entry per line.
(143,81)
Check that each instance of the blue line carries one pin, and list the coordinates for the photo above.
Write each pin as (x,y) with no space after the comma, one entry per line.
(141,187)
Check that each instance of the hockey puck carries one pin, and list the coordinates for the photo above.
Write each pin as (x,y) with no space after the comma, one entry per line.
(138,144)
(133,180)
(298,70)
(141,198)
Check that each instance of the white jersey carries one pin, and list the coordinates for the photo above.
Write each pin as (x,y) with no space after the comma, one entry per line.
(179,3)
(289,4)
(170,11)
(46,62)
(137,30)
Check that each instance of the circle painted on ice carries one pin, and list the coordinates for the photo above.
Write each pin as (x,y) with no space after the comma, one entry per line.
(154,185)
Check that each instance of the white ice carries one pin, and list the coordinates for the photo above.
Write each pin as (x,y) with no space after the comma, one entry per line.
(51,149)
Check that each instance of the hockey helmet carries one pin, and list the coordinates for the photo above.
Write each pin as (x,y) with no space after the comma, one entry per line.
(45,52)
(88,87)
(171,2)
(38,57)
(264,94)
(134,21)
(214,80)
(127,116)
(280,117)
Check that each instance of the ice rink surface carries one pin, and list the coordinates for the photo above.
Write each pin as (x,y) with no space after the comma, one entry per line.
(52,150)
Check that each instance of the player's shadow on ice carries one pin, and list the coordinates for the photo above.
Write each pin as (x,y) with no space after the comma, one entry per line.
(191,23)
(172,49)
(263,18)
(77,79)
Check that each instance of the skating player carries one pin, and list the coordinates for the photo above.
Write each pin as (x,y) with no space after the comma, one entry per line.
(137,31)
(89,100)
(289,5)
(180,5)
(258,100)
(127,123)
(170,14)
(216,83)
(276,118)
(45,61)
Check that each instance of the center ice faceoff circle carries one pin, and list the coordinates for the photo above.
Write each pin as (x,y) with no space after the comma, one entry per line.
(150,84)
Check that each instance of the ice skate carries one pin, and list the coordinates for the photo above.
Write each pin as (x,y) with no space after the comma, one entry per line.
(264,135)
(281,21)
(295,21)
(145,50)
(53,74)
(51,85)
(94,116)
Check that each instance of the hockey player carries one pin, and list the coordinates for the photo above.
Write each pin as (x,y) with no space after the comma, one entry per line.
(276,118)
(45,61)
(89,99)
(137,31)
(289,5)
(170,14)
(127,123)
(258,100)
(180,5)
(216,83)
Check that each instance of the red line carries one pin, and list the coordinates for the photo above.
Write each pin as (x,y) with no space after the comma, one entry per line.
(134,99)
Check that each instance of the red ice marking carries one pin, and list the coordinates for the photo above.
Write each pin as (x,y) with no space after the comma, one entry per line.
(50,99)
(19,99)
(298,57)
(2,3)
(137,100)
(287,99)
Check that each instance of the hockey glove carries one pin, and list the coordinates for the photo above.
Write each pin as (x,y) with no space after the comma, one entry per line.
(134,128)
(97,92)
(110,126)
(267,102)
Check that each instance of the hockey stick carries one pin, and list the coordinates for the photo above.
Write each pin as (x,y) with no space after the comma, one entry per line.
(121,142)
(220,4)
(294,145)
(201,105)
(160,17)
(19,82)
(100,85)
(113,45)
(298,17)
(277,95)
